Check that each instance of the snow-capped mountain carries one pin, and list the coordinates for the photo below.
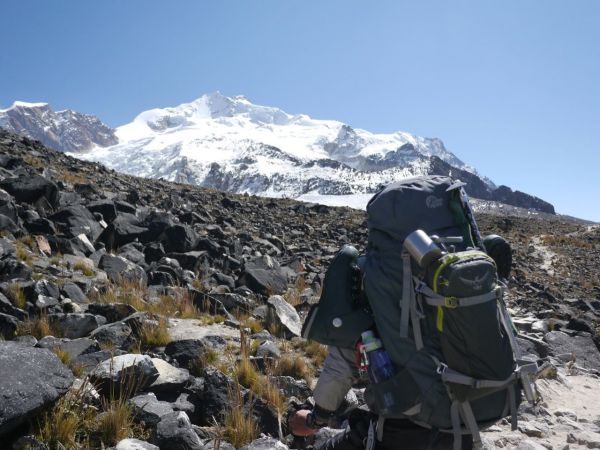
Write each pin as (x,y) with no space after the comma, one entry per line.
(66,131)
(230,144)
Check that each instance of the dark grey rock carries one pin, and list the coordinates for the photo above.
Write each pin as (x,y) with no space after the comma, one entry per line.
(75,220)
(180,238)
(283,315)
(113,312)
(105,207)
(31,379)
(581,346)
(266,443)
(175,432)
(264,276)
(215,397)
(187,350)
(124,229)
(115,335)
(76,325)
(74,347)
(74,292)
(31,188)
(12,269)
(8,326)
(118,269)
(7,224)
(170,378)
(148,409)
(135,444)
(127,373)
(268,349)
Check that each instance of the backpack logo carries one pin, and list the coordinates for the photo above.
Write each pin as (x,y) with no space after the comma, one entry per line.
(475,283)
(433,202)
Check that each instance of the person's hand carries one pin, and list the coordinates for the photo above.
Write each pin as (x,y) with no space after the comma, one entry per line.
(297,424)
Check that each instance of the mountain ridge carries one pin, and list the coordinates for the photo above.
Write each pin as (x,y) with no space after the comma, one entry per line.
(230,144)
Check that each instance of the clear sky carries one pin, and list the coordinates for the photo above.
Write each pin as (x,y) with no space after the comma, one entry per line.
(511,87)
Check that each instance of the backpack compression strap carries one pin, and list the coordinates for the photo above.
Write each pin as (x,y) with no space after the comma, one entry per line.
(408,304)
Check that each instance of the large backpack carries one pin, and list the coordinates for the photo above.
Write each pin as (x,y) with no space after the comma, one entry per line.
(444,325)
(443,321)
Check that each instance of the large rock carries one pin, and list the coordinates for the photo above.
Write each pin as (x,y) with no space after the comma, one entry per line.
(215,398)
(124,229)
(31,188)
(582,347)
(170,378)
(186,351)
(175,432)
(266,443)
(74,347)
(282,314)
(31,379)
(148,409)
(76,220)
(115,335)
(264,276)
(124,374)
(76,325)
(180,238)
(105,207)
(135,444)
(119,269)
(12,269)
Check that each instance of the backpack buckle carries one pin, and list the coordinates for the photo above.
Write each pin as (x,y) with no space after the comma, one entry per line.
(441,368)
(451,302)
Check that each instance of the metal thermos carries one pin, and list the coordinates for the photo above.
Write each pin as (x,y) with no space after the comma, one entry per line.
(422,248)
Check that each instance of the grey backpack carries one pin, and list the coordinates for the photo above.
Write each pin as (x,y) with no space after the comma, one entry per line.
(441,315)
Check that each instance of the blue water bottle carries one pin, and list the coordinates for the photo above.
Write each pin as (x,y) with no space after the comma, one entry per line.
(380,367)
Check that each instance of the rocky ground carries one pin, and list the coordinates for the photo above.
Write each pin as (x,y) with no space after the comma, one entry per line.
(144,314)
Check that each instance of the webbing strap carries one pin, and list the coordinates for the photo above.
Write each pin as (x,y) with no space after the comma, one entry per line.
(512,399)
(458,302)
(406,294)
(471,423)
(380,424)
(452,376)
(416,321)
(456,430)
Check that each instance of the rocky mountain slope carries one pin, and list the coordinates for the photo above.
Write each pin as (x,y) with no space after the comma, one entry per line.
(65,131)
(233,145)
(168,313)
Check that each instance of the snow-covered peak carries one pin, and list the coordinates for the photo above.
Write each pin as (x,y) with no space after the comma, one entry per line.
(28,105)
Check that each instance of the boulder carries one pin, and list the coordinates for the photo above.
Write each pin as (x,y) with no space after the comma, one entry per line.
(76,325)
(7,224)
(126,374)
(31,188)
(31,379)
(175,432)
(118,269)
(148,409)
(75,220)
(12,269)
(135,444)
(113,312)
(215,397)
(282,314)
(265,443)
(264,276)
(74,347)
(8,326)
(170,378)
(105,207)
(114,335)
(179,238)
(72,291)
(124,229)
(186,351)
(582,347)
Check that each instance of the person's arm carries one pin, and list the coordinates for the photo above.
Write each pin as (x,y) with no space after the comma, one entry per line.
(338,375)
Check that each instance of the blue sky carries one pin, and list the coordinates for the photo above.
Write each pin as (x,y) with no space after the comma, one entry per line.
(511,87)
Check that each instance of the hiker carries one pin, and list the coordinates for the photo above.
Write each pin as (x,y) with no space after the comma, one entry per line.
(422,313)
(338,375)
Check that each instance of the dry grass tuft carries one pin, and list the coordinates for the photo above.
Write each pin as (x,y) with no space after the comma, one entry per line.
(63,355)
(254,325)
(22,253)
(17,295)
(293,366)
(116,422)
(240,427)
(316,352)
(155,335)
(84,268)
(38,328)
(294,294)
(208,358)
